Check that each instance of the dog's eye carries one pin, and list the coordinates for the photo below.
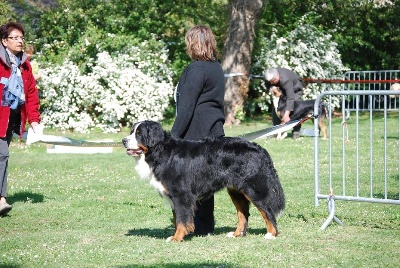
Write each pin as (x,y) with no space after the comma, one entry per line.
(137,132)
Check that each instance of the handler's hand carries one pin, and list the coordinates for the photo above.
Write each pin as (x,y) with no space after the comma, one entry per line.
(37,128)
(34,133)
(34,125)
(285,119)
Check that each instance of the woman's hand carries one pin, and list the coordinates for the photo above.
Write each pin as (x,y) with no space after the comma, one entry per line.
(34,126)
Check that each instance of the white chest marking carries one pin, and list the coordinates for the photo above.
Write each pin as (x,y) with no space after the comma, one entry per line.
(142,168)
(144,171)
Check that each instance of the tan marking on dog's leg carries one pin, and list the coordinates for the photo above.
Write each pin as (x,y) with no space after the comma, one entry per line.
(190,228)
(180,231)
(322,128)
(242,208)
(241,229)
(271,230)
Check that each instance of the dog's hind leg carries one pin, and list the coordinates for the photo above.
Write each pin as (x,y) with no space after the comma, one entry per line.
(323,113)
(322,128)
(242,205)
(270,221)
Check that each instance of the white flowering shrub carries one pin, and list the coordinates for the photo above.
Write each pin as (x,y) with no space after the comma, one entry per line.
(308,52)
(376,3)
(117,91)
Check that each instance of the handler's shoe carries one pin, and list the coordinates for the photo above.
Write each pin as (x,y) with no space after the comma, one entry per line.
(4,209)
(296,135)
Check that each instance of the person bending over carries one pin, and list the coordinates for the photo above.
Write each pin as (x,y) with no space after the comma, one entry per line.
(291,87)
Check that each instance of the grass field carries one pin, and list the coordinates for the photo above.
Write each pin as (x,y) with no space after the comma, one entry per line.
(76,210)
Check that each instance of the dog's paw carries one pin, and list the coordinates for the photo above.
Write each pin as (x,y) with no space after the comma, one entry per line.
(231,234)
(270,236)
(172,239)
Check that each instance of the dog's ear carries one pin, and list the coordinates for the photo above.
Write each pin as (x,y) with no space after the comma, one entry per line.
(154,133)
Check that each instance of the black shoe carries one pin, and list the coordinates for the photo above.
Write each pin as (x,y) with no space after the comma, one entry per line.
(197,234)
(203,233)
(296,135)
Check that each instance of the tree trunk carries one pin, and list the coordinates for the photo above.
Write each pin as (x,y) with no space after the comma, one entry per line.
(237,54)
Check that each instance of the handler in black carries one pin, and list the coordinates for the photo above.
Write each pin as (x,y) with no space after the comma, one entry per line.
(292,90)
(200,106)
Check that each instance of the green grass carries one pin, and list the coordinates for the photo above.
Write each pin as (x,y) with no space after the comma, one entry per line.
(76,210)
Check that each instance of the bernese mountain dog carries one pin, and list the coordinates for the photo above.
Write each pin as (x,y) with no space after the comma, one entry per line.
(185,171)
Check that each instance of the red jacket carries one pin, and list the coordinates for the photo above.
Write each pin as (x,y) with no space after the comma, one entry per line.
(30,109)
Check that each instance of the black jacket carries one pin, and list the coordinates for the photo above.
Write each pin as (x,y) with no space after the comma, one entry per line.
(291,87)
(200,101)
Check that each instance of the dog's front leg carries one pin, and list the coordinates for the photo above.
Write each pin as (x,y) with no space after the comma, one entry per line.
(181,230)
(183,221)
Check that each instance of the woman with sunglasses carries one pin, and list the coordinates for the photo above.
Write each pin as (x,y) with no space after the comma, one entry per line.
(19,98)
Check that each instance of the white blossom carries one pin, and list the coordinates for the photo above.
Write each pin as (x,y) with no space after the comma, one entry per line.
(309,53)
(119,90)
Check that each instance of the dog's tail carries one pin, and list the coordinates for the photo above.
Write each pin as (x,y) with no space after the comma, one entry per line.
(276,196)
(277,199)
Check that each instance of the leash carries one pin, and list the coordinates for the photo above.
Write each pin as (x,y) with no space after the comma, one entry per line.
(38,136)
(262,133)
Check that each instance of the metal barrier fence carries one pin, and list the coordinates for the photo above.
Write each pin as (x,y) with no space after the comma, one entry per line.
(362,162)
(371,81)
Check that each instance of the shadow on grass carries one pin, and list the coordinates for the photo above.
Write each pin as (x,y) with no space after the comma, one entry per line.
(181,265)
(27,197)
(165,233)
(9,265)
(390,137)
(392,196)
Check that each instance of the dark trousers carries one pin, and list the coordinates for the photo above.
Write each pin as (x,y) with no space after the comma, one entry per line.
(204,216)
(4,155)
(276,120)
(13,127)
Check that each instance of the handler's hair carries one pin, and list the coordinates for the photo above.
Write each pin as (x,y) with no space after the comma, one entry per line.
(201,44)
(271,74)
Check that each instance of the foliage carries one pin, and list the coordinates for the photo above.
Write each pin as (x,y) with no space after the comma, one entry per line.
(67,26)
(367,32)
(7,13)
(366,28)
(307,51)
(112,92)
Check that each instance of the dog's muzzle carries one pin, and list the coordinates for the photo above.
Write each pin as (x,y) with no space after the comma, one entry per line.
(130,151)
(134,152)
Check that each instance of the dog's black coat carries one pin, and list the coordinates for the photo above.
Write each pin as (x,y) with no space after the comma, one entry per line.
(190,170)
(305,108)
